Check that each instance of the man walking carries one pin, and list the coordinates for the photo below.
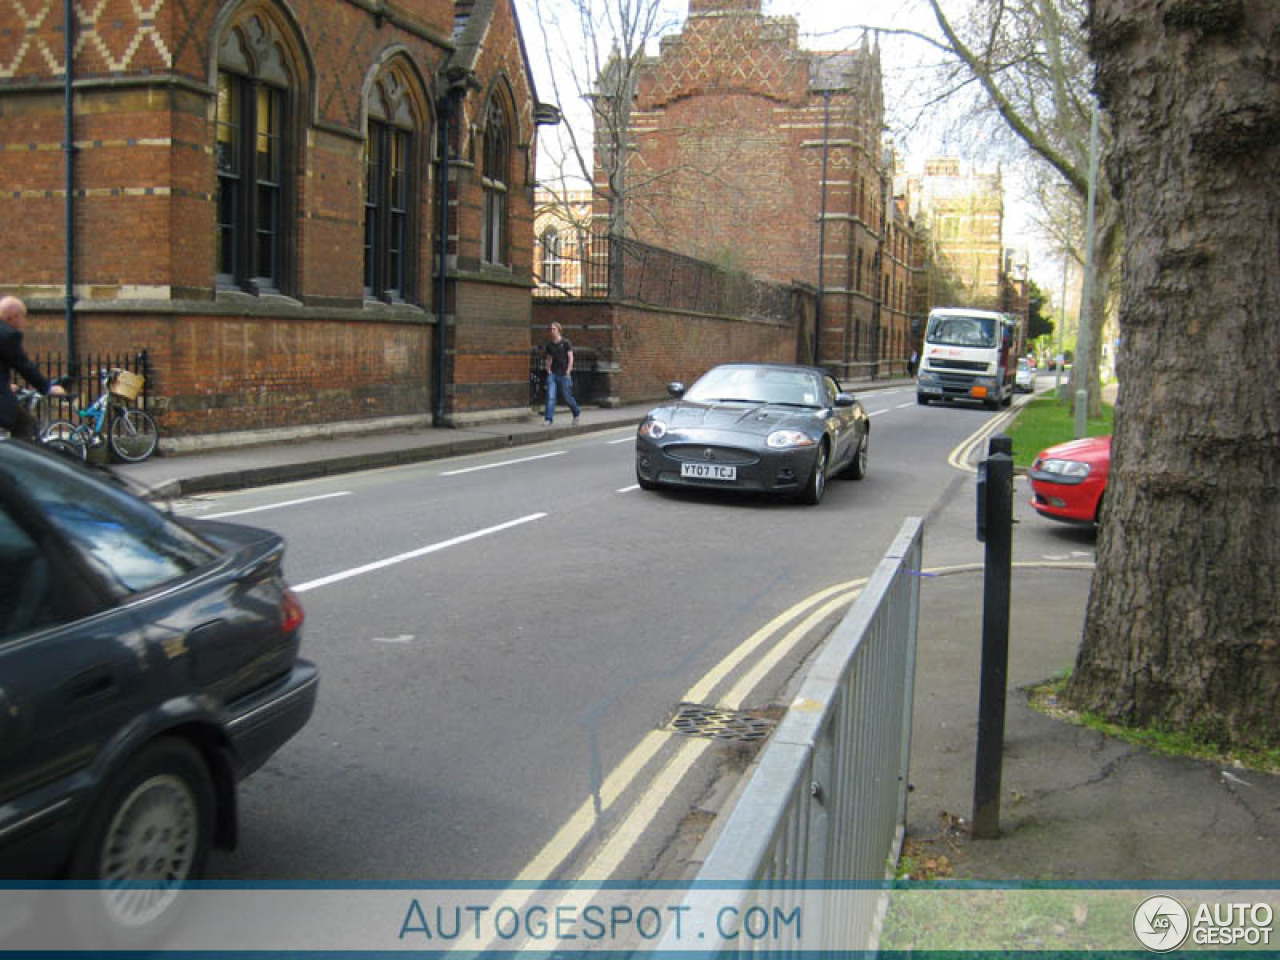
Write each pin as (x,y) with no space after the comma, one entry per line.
(558,355)
(13,358)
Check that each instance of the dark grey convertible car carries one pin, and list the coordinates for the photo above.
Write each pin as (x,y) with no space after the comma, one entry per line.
(765,427)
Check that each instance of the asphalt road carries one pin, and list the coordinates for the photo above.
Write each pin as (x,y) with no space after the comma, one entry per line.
(499,634)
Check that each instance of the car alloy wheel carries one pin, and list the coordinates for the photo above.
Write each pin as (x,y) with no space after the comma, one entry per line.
(148,849)
(147,837)
(817,484)
(858,468)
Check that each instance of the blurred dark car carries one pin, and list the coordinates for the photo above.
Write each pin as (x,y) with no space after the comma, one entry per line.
(147,664)
(1068,481)
(771,428)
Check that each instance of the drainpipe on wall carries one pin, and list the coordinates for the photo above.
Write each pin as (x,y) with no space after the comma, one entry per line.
(442,231)
(69,149)
(822,227)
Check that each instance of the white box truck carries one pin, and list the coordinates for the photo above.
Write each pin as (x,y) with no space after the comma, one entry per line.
(969,355)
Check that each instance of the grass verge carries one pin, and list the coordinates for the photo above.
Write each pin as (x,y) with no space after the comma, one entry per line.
(1047,699)
(1043,422)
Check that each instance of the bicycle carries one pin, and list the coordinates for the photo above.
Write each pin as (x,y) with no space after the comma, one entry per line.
(30,400)
(130,433)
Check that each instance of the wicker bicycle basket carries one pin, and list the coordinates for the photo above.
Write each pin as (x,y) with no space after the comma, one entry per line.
(127,385)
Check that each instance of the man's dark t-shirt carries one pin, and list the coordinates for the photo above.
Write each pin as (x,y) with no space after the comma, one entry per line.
(558,351)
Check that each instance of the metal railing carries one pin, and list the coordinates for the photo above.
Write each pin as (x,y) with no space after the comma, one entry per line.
(824,810)
(86,384)
(597,265)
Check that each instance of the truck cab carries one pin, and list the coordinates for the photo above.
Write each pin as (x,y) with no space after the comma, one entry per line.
(969,354)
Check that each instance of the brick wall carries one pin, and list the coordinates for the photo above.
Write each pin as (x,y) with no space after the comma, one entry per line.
(630,353)
(145,217)
(213,373)
(733,124)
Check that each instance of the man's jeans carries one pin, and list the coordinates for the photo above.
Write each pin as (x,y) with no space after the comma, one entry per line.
(564,385)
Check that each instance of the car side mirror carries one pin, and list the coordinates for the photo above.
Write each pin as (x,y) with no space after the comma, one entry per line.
(676,389)
(845,399)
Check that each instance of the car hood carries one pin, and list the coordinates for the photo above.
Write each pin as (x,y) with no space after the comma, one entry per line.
(1088,448)
(751,418)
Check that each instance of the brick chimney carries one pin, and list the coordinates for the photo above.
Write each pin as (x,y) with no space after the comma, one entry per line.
(704,8)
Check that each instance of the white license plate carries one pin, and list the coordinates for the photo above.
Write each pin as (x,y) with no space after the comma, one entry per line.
(708,471)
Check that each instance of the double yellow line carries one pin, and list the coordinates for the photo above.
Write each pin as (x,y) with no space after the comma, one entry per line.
(809,613)
(961,457)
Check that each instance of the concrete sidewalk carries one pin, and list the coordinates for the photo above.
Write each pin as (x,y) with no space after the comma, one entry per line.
(1075,805)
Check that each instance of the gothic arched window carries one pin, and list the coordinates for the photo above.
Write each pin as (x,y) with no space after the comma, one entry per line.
(391,189)
(255,151)
(495,175)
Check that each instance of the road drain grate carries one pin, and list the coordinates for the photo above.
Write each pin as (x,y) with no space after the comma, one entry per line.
(696,720)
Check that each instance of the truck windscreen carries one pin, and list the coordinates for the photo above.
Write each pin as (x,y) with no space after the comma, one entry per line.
(960,331)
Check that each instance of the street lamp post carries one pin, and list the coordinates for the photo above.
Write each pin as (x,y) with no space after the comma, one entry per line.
(1083,346)
(1062,322)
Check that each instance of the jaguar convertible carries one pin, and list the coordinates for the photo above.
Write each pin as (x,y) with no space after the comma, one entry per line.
(771,428)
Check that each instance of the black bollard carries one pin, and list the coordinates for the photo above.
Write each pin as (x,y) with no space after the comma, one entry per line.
(995,529)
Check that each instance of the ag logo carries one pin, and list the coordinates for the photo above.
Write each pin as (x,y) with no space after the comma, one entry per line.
(1161,923)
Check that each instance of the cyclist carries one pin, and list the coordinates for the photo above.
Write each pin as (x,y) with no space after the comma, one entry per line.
(13,358)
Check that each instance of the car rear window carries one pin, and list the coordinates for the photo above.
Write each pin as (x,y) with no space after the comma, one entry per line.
(133,546)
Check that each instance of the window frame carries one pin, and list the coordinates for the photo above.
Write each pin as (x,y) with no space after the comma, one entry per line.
(392,188)
(495,178)
(550,244)
(254,200)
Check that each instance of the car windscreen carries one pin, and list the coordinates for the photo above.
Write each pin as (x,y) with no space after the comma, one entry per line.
(757,385)
(132,545)
(962,331)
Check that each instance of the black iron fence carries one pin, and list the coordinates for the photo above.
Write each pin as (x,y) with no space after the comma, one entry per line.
(85,379)
(597,265)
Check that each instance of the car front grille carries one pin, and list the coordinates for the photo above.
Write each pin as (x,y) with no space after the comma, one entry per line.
(703,452)
(979,366)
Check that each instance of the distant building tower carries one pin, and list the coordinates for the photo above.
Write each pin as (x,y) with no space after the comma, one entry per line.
(748,152)
(963,215)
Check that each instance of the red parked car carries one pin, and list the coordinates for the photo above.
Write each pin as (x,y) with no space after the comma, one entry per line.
(1069,480)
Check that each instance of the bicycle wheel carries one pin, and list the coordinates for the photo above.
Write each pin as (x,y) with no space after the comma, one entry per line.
(62,435)
(66,448)
(133,435)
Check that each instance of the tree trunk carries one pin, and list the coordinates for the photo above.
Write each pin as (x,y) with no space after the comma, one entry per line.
(1183,625)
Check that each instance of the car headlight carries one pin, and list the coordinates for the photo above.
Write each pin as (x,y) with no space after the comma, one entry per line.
(927,376)
(1064,468)
(781,439)
(653,429)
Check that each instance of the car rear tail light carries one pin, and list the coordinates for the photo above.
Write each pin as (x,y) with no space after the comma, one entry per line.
(291,607)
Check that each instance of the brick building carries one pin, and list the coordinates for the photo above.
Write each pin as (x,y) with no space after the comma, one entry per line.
(964,211)
(565,251)
(753,154)
(254,198)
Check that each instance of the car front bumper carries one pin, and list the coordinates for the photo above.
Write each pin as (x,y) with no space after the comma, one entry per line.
(1070,503)
(761,471)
